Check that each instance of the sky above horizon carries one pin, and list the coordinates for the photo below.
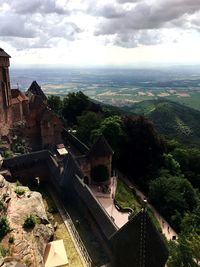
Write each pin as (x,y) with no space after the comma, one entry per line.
(100,33)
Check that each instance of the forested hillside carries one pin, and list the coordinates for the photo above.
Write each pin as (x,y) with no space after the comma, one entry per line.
(171,119)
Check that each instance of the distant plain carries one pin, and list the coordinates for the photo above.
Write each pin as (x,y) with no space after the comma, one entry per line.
(120,87)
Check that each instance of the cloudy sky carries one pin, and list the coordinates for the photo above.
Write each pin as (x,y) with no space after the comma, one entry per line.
(101,32)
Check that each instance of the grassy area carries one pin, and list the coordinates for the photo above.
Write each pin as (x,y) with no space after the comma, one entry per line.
(89,234)
(61,231)
(126,198)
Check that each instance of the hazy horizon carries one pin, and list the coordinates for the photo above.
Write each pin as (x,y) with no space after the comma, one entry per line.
(120,66)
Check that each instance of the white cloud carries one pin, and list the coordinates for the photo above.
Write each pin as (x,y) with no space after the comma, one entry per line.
(83,26)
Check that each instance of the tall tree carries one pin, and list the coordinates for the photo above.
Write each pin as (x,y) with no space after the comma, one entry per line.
(141,149)
(55,103)
(86,124)
(73,106)
(173,196)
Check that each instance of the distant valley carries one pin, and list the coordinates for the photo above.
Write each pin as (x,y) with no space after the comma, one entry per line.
(120,87)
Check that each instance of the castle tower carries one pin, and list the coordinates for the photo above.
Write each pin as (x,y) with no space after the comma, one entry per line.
(101,154)
(5,91)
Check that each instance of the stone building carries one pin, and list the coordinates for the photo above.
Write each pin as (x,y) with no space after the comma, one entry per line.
(99,154)
(13,103)
(44,128)
(41,126)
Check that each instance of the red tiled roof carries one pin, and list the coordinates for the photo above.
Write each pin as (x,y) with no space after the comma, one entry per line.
(17,96)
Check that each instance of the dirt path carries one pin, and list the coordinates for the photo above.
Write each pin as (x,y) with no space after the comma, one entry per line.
(106,200)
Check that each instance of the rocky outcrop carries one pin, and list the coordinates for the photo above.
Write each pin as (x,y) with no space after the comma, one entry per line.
(28,245)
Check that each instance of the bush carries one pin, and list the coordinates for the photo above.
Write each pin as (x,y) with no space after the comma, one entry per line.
(7,154)
(4,226)
(2,205)
(30,222)
(20,191)
(11,239)
(100,173)
(3,251)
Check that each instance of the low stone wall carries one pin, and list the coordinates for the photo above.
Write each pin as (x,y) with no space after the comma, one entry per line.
(124,210)
(26,159)
(75,142)
(28,166)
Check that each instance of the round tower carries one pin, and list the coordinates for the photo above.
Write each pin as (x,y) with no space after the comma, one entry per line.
(5,91)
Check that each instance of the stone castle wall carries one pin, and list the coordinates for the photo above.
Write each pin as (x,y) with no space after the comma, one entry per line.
(67,183)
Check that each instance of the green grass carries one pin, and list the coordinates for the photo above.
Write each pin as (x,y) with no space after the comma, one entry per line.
(125,197)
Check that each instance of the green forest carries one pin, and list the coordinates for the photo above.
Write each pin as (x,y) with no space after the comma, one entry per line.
(166,168)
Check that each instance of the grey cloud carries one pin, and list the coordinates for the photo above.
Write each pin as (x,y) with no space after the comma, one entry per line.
(107,11)
(38,6)
(128,1)
(36,24)
(12,25)
(143,17)
(138,38)
(38,31)
(64,29)
(22,43)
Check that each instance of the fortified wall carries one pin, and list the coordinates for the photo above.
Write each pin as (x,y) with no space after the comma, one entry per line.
(137,243)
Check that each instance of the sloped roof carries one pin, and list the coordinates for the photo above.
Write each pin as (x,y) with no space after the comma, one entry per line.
(3,53)
(18,96)
(138,243)
(100,148)
(35,89)
(55,254)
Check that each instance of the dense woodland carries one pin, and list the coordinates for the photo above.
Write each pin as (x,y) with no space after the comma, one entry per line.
(166,169)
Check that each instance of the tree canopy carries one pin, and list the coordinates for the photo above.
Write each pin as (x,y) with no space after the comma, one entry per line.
(173,196)
(55,103)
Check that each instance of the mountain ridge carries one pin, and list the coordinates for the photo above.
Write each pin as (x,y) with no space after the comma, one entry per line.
(170,118)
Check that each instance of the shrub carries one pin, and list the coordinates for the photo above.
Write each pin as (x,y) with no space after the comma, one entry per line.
(3,251)
(30,222)
(100,173)
(20,191)
(11,239)
(7,154)
(2,205)
(4,226)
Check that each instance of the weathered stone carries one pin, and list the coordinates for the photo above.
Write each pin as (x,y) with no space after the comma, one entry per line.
(2,181)
(28,245)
